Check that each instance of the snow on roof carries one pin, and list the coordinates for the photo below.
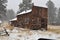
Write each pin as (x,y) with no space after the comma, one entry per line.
(13,19)
(41,6)
(31,9)
(25,12)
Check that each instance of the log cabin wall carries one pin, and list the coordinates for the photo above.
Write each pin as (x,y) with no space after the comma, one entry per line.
(23,20)
(39,18)
(44,17)
(14,23)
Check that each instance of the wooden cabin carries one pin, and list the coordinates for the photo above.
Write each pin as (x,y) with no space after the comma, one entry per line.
(35,18)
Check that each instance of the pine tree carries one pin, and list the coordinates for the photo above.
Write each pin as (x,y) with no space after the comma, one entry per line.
(10,14)
(58,16)
(3,10)
(51,11)
(25,5)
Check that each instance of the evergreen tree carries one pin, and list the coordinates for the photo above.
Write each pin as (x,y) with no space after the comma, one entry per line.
(10,14)
(51,12)
(3,10)
(58,16)
(25,5)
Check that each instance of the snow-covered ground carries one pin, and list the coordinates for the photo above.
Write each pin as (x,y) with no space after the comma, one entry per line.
(25,34)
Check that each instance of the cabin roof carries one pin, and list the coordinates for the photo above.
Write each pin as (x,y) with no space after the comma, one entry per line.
(24,12)
(27,11)
(13,19)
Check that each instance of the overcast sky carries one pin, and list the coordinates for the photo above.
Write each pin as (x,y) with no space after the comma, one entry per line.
(13,4)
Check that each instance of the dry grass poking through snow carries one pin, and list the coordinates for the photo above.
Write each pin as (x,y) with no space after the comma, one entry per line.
(26,34)
(53,28)
(7,25)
